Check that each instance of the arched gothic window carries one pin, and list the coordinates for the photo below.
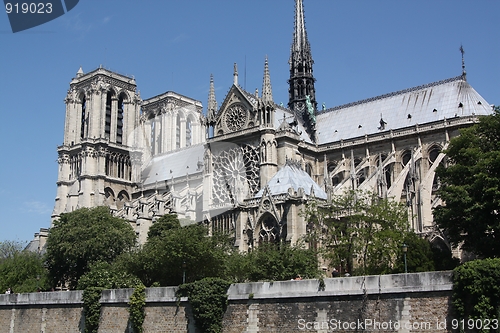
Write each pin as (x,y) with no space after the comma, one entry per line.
(406,157)
(337,179)
(269,231)
(309,169)
(433,154)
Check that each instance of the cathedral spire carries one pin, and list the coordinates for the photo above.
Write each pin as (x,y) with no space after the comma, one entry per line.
(267,92)
(301,92)
(212,103)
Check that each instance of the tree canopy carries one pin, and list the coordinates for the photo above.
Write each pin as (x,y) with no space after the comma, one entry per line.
(470,189)
(419,255)
(83,237)
(172,252)
(358,231)
(22,271)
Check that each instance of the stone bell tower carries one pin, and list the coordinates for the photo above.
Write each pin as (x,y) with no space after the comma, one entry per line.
(99,160)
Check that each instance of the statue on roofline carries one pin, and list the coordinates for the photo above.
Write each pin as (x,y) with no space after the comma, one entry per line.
(310,109)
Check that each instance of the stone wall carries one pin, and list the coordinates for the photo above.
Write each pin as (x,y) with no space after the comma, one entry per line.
(418,302)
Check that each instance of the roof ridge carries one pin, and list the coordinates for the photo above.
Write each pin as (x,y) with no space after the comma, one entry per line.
(395,93)
(99,70)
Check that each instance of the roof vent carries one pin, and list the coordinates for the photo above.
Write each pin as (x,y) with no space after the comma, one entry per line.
(460,105)
(434,110)
(479,103)
(409,116)
(359,126)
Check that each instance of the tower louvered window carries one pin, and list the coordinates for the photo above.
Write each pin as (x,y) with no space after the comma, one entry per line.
(107,125)
(84,120)
(119,121)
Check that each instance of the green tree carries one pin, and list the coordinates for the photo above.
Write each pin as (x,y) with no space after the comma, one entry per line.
(172,252)
(164,224)
(8,248)
(419,257)
(470,189)
(275,262)
(83,237)
(108,276)
(358,231)
(22,271)
(476,293)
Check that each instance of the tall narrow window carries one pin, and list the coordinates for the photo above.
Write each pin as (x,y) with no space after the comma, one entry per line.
(189,135)
(107,126)
(153,135)
(178,132)
(119,122)
(84,110)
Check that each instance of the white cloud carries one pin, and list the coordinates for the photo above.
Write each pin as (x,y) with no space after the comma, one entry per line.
(37,207)
(180,38)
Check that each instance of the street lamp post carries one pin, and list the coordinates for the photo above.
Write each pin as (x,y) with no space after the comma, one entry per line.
(183,272)
(405,249)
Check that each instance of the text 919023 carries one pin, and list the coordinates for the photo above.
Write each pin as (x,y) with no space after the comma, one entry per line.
(32,7)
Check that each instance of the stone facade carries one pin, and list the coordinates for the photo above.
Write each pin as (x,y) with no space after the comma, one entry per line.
(416,302)
(248,166)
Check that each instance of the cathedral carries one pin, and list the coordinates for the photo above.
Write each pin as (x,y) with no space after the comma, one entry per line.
(247,166)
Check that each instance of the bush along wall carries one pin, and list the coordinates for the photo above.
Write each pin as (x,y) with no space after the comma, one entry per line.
(208,300)
(476,296)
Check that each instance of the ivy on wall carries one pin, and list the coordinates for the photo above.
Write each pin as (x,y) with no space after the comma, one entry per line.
(136,304)
(92,308)
(208,300)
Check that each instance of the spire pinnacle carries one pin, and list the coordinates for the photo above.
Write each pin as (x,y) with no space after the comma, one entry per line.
(464,73)
(267,92)
(300,41)
(212,103)
(235,75)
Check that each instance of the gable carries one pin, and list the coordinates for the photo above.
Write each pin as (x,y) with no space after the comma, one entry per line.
(237,112)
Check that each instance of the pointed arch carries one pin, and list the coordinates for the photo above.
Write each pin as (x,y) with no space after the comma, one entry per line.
(405,157)
(268,229)
(109,196)
(433,152)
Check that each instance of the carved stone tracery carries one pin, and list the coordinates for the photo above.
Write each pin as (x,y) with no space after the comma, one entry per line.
(236,118)
(235,174)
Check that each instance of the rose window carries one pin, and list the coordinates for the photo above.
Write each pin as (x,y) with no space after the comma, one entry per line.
(236,174)
(236,118)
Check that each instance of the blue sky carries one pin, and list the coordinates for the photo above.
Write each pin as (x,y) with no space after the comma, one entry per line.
(361,49)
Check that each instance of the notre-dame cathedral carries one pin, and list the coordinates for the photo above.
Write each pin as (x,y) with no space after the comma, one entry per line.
(247,166)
